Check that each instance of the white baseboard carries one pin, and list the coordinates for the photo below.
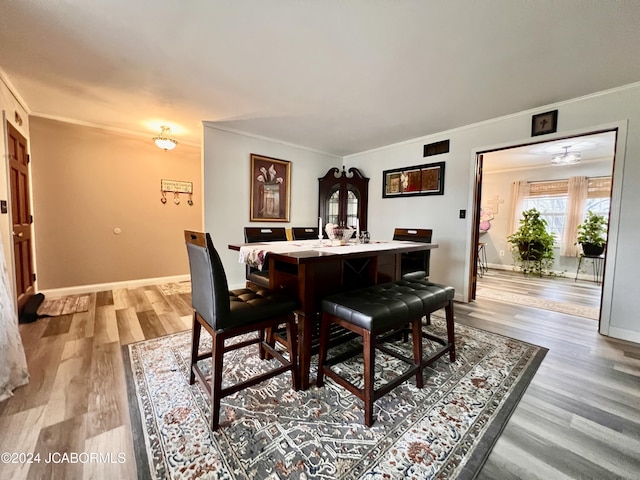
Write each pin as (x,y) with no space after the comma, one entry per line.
(566,274)
(623,334)
(99,287)
(499,266)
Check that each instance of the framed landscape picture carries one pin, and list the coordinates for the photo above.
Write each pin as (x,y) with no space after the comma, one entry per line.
(270,189)
(418,180)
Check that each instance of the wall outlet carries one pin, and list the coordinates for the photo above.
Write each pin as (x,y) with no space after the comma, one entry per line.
(502,253)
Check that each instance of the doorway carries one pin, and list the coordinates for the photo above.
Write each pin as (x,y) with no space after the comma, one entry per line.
(497,170)
(21,218)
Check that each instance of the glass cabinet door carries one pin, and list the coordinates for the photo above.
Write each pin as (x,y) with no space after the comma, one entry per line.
(333,208)
(352,207)
(343,198)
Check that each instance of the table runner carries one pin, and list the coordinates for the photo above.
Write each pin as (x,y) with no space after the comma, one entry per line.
(255,254)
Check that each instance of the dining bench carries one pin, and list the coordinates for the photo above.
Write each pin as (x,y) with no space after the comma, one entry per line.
(378,313)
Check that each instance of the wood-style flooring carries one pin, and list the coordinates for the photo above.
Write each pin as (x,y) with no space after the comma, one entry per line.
(579,418)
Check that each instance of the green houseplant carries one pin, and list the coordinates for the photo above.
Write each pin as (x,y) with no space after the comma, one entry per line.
(592,234)
(532,244)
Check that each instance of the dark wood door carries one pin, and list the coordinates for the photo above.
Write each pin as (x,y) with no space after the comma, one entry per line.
(21,215)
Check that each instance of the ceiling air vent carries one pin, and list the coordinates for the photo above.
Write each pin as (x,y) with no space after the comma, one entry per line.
(436,148)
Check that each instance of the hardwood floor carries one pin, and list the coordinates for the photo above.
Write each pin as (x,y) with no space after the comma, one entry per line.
(579,418)
(76,400)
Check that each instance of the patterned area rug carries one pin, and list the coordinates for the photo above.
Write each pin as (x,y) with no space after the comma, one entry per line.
(63,306)
(445,430)
(537,302)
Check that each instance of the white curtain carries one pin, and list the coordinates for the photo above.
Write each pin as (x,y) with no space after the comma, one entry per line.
(520,191)
(13,364)
(578,187)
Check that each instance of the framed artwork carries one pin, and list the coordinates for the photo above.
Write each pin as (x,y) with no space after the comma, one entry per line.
(544,123)
(418,180)
(270,189)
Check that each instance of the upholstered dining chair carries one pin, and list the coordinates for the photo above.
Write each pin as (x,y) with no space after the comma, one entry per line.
(304,233)
(262,234)
(228,314)
(414,265)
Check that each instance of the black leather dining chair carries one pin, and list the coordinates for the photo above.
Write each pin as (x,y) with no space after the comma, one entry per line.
(414,265)
(256,235)
(304,233)
(227,314)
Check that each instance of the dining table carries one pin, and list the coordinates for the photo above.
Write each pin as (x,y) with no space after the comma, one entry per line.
(314,269)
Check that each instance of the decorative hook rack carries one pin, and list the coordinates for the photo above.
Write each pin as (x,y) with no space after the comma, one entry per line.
(177,187)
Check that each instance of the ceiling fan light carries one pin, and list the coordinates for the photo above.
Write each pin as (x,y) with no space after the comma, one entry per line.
(565,158)
(163,141)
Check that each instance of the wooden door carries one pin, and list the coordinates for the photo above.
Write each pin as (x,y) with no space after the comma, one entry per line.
(21,215)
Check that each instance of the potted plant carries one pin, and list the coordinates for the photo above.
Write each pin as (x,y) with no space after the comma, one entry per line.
(532,244)
(592,234)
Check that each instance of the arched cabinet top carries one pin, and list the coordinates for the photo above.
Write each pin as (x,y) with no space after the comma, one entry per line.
(334,175)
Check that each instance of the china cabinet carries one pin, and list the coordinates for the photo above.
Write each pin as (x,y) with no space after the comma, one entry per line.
(343,198)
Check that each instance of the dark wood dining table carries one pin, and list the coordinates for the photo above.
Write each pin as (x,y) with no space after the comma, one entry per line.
(312,272)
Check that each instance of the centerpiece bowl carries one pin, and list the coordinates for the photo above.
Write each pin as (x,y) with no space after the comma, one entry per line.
(337,234)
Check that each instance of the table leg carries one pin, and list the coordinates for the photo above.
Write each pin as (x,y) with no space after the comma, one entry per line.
(305,334)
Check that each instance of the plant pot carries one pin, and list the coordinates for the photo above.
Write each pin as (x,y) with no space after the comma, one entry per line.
(592,250)
(532,251)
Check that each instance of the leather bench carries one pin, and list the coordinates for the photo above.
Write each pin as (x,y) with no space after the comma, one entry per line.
(376,313)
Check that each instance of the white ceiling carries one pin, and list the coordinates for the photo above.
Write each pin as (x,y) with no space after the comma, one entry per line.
(597,147)
(339,76)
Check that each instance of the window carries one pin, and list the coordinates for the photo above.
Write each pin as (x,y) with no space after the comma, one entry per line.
(564,205)
(598,205)
(553,209)
(598,196)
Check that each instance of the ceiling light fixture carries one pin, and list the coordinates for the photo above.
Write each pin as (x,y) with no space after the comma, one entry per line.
(164,141)
(566,158)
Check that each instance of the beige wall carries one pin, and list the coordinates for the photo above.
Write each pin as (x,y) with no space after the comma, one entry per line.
(87,182)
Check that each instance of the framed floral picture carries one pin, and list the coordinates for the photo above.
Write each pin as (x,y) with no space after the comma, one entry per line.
(270,189)
(425,179)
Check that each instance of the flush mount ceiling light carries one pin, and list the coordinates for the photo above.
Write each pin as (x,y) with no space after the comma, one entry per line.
(566,158)
(163,140)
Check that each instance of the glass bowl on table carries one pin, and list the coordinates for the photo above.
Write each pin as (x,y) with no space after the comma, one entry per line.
(339,235)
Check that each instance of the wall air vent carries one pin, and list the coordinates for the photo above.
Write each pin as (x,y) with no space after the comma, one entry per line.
(436,148)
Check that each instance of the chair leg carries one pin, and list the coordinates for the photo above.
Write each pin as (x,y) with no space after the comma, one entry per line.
(369,353)
(405,334)
(451,338)
(292,336)
(417,350)
(265,336)
(195,344)
(323,347)
(217,355)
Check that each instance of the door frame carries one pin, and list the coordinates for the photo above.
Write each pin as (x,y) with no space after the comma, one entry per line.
(614,214)
(12,261)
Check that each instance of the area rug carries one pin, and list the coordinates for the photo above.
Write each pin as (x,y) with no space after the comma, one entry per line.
(537,302)
(63,306)
(445,430)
